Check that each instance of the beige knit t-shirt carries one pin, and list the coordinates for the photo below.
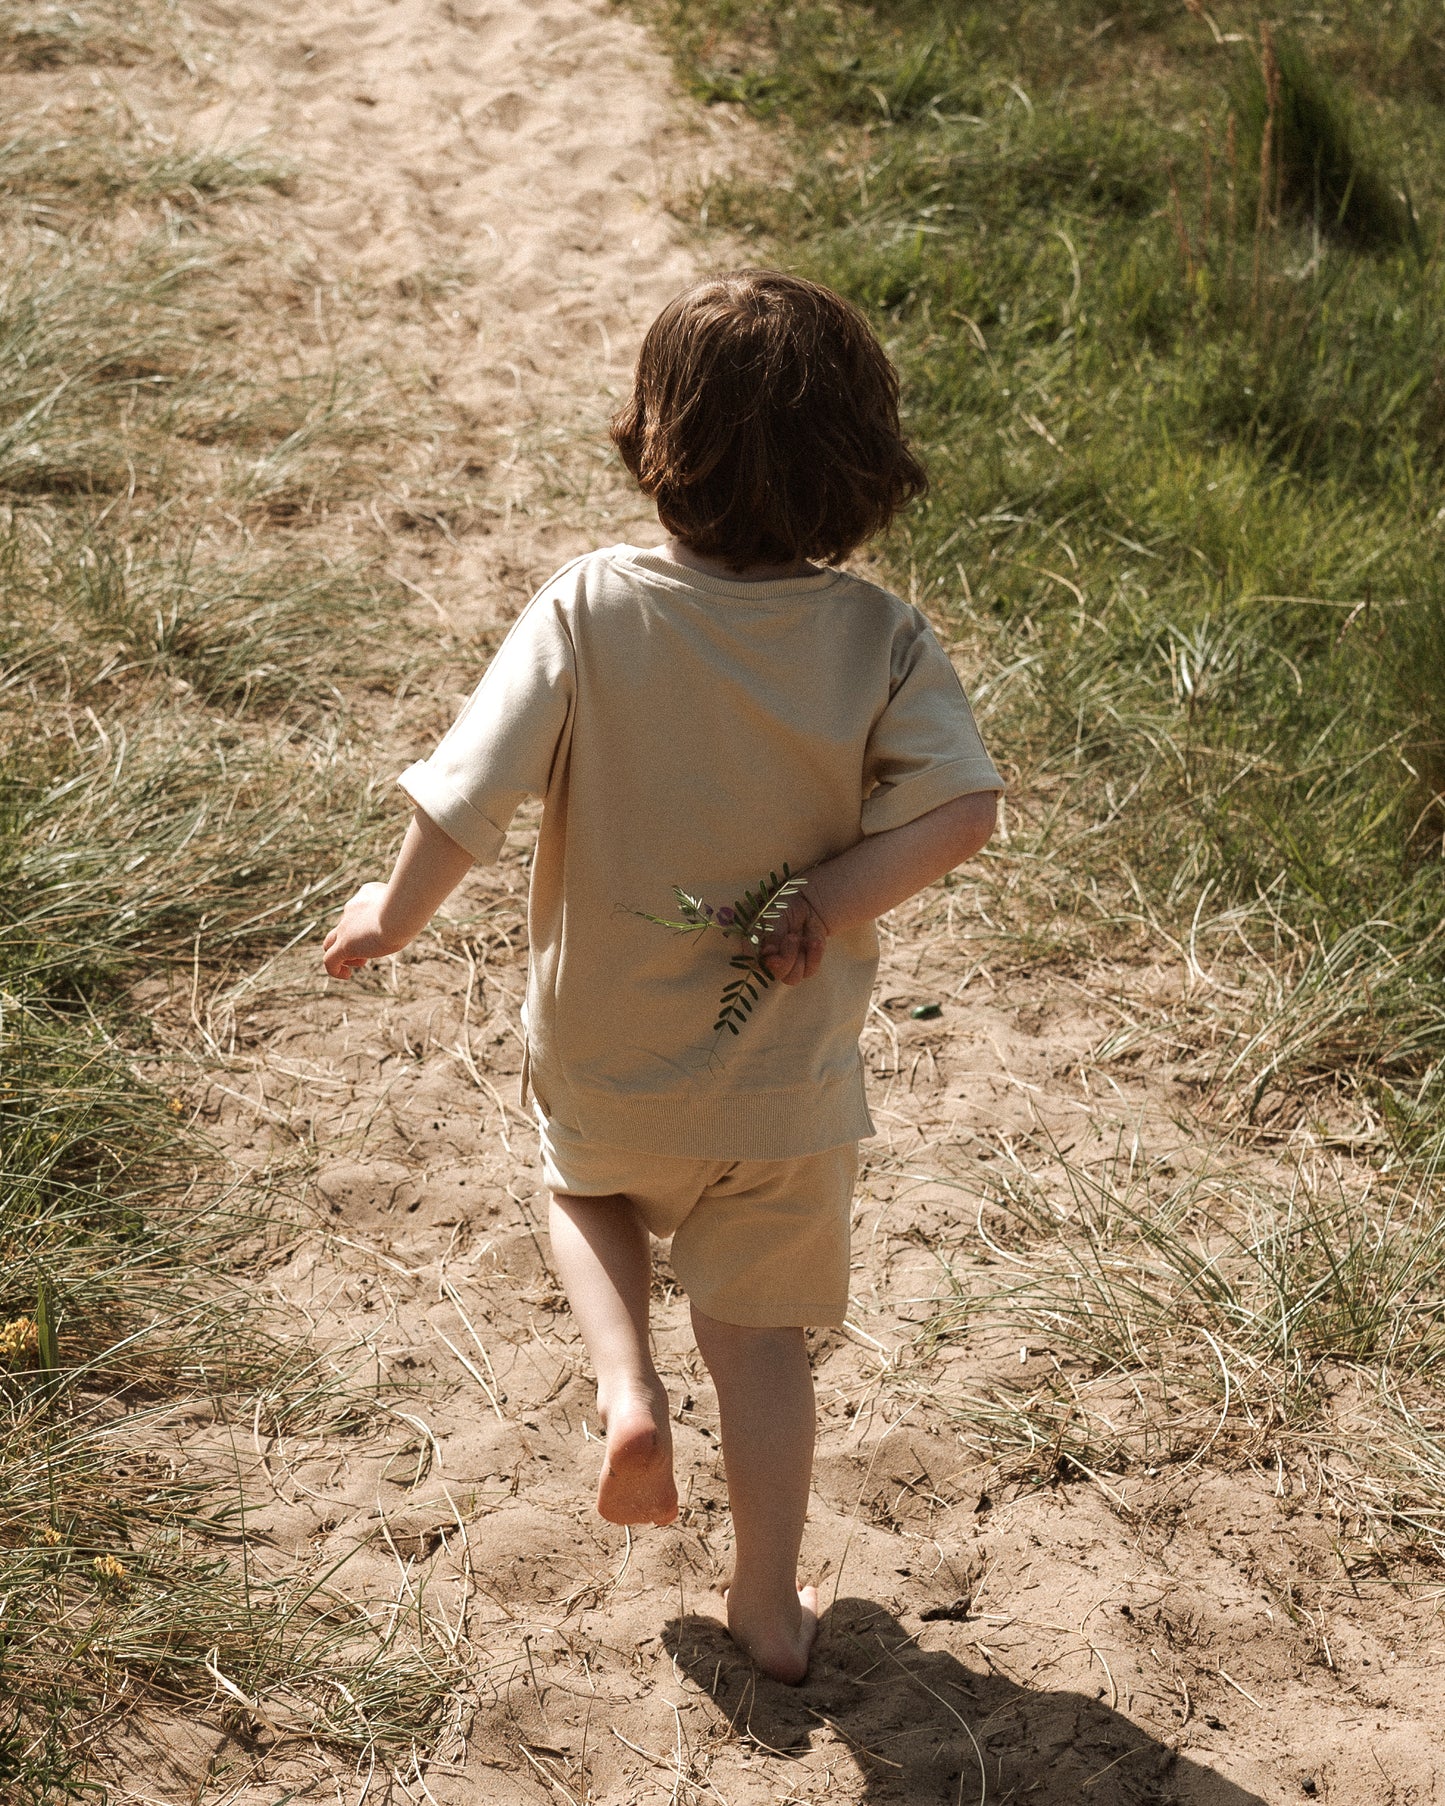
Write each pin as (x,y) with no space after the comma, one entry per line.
(684,729)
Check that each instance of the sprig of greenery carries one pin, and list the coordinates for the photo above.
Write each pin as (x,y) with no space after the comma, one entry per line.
(748,919)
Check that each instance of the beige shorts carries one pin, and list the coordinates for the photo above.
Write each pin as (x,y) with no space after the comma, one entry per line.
(758,1242)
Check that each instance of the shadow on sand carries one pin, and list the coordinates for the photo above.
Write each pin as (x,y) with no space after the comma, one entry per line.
(924,1728)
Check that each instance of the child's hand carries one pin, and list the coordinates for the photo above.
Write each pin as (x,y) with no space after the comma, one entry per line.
(358,936)
(383,918)
(792,949)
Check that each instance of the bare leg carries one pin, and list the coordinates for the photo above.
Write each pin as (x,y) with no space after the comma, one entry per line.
(765,1400)
(605,1262)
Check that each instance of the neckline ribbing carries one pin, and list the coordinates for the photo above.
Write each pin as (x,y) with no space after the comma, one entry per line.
(657,564)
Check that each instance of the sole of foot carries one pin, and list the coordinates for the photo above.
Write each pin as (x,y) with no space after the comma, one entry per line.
(637,1486)
(780,1649)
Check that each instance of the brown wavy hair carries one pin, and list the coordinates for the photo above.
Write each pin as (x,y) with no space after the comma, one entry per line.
(764,422)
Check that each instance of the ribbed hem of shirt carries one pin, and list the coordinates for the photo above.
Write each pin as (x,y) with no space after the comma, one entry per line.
(452,813)
(741,589)
(895,805)
(744,1125)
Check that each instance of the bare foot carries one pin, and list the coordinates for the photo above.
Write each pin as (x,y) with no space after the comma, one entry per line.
(637,1486)
(780,1643)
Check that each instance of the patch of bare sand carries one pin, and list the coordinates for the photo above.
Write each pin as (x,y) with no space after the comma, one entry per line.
(486,183)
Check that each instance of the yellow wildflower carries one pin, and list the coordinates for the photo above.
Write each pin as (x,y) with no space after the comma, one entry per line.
(18,1338)
(108,1568)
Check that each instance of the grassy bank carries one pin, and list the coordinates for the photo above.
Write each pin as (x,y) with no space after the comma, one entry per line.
(173,793)
(1162,285)
(1162,291)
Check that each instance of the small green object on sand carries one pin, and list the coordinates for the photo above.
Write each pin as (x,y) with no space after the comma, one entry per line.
(926,1012)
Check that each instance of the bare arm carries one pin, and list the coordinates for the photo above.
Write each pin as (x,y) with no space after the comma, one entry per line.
(874,877)
(383,918)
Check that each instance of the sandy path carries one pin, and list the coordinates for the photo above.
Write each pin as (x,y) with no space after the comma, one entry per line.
(514,151)
(489,179)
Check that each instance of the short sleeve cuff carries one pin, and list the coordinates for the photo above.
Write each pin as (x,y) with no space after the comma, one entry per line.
(452,813)
(895,805)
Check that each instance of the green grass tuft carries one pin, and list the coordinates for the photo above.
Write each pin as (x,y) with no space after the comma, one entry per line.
(1299,134)
(1205,1316)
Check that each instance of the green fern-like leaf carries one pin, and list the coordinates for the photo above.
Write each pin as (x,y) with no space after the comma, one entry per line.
(748,919)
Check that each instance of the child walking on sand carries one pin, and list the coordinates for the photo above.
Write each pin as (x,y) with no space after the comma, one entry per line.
(723,706)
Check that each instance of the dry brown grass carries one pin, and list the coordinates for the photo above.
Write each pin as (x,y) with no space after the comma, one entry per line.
(178,791)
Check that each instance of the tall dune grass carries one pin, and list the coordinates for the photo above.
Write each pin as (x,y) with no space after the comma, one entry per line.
(174,789)
(1163,302)
(1206,1317)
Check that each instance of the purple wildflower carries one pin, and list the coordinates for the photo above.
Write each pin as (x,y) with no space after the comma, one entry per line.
(726,916)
